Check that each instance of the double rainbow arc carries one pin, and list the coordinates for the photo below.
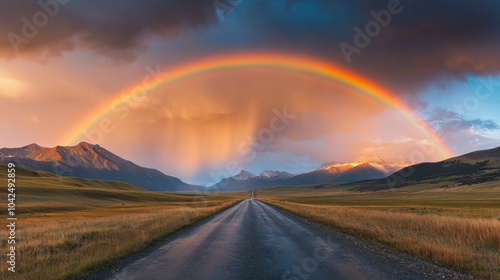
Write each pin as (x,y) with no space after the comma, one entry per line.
(259,60)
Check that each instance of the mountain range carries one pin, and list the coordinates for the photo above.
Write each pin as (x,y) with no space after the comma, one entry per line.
(364,168)
(472,168)
(386,167)
(248,181)
(93,162)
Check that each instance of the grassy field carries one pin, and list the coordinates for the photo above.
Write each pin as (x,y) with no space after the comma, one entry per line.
(455,227)
(71,226)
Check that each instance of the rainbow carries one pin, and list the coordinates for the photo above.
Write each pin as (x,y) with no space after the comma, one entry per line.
(269,60)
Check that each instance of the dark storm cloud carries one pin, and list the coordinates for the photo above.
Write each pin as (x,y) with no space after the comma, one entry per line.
(425,40)
(431,39)
(113,27)
(422,41)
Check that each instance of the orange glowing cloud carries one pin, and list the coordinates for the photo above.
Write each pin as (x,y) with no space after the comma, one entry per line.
(209,120)
(201,114)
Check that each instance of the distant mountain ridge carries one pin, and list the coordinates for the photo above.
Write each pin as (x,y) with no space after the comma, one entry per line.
(472,168)
(247,181)
(268,174)
(275,174)
(243,175)
(385,166)
(94,162)
(364,168)
(374,174)
(90,161)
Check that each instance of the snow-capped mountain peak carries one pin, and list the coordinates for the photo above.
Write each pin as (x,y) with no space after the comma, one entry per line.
(387,167)
(275,174)
(243,175)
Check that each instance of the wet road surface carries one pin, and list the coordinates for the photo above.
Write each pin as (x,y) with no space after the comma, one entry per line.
(253,240)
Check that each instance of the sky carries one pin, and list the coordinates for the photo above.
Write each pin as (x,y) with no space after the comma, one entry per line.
(61,60)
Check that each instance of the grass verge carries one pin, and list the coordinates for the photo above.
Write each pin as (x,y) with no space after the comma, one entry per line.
(59,246)
(69,226)
(466,243)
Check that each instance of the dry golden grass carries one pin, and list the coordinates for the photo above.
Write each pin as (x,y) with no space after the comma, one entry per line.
(61,245)
(69,225)
(466,244)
